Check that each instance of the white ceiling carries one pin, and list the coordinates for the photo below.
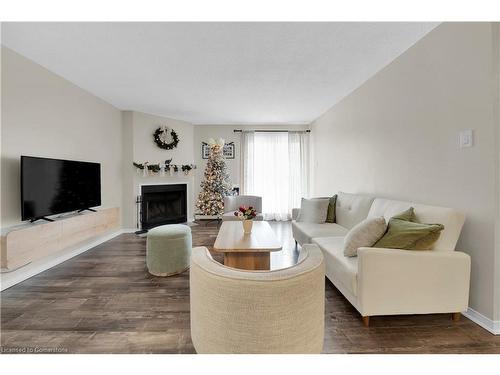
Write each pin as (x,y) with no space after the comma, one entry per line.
(216,73)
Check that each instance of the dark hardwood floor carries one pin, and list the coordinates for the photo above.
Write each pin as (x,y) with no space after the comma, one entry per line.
(104,301)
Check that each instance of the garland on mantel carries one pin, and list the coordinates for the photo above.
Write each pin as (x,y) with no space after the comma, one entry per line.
(167,166)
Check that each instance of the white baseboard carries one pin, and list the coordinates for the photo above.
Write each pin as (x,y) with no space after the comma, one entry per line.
(129,230)
(11,278)
(492,326)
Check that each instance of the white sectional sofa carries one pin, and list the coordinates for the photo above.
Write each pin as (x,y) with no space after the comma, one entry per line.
(383,281)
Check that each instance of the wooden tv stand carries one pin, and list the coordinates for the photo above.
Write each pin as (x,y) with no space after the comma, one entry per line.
(26,243)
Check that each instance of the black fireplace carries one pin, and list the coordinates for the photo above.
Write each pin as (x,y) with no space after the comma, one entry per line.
(163,204)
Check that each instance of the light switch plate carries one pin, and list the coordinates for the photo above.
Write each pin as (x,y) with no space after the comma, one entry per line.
(466,138)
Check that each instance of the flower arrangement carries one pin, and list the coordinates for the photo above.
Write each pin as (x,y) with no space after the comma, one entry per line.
(246,213)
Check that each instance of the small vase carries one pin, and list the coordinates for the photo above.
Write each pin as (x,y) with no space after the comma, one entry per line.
(247,226)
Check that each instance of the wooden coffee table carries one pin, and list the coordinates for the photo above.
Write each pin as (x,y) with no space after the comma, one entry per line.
(247,251)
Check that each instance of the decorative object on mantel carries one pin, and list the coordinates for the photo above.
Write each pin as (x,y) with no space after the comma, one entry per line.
(186,169)
(216,184)
(227,150)
(145,170)
(166,138)
(246,215)
(152,169)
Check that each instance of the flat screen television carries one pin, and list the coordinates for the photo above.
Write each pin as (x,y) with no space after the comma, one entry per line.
(54,186)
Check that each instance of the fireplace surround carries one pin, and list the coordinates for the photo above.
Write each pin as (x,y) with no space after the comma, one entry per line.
(162,204)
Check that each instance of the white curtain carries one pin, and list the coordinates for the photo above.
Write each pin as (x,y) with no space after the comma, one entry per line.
(275,166)
(247,162)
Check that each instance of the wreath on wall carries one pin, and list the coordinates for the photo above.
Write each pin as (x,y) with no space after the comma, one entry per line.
(166,138)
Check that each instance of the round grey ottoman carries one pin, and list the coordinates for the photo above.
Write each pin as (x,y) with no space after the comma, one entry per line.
(168,249)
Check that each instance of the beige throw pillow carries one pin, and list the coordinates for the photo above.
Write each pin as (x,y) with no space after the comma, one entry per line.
(364,234)
(313,210)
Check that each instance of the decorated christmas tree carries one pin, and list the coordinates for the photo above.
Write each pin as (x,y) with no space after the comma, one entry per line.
(216,184)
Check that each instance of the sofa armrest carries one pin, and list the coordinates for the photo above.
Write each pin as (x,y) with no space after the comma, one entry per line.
(295,213)
(393,281)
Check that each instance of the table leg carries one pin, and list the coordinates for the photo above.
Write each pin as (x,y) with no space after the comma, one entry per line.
(248,261)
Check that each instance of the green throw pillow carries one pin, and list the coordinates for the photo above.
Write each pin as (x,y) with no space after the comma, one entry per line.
(330,215)
(404,233)
(408,215)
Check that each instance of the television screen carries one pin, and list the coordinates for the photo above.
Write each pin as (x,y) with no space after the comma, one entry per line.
(53,186)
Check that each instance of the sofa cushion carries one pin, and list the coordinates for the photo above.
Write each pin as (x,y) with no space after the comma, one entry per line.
(351,209)
(344,269)
(407,215)
(313,210)
(364,234)
(451,219)
(403,233)
(305,232)
(426,242)
(330,215)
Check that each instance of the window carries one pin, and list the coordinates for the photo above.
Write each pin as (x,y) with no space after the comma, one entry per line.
(275,166)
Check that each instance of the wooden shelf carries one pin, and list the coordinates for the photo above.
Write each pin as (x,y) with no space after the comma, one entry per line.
(29,242)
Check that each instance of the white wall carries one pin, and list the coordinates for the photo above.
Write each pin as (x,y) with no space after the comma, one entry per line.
(45,115)
(396,136)
(496,72)
(202,133)
(138,146)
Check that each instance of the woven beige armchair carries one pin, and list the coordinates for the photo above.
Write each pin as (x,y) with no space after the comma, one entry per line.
(237,311)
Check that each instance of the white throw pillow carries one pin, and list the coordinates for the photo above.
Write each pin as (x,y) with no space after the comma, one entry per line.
(313,210)
(364,234)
